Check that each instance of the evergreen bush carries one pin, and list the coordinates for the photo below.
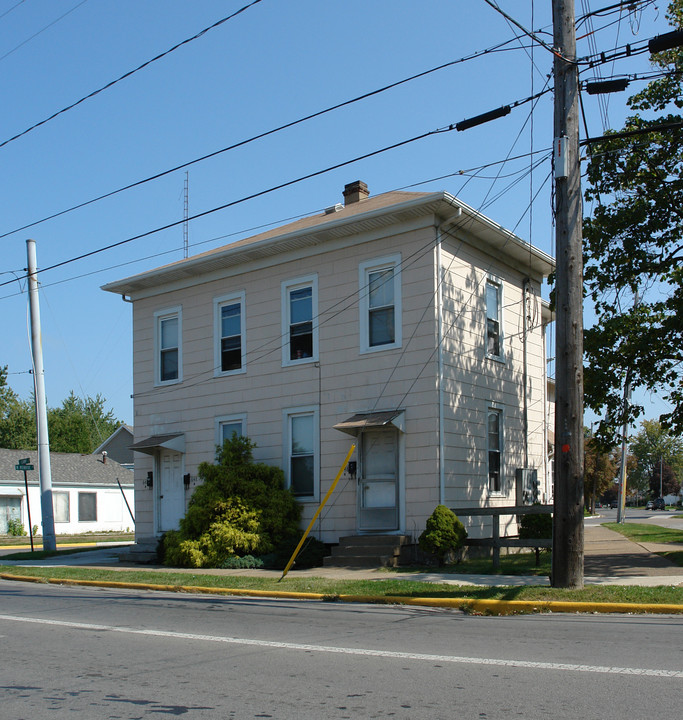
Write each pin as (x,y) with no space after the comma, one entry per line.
(241,508)
(536,527)
(444,534)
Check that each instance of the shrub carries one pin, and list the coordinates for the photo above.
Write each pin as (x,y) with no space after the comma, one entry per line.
(248,561)
(536,527)
(310,555)
(444,534)
(241,508)
(15,527)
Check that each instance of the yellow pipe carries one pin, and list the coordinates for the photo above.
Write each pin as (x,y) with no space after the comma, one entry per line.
(317,512)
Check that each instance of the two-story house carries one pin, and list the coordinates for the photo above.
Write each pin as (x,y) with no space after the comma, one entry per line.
(408,323)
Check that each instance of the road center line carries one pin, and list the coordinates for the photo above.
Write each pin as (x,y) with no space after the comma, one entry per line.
(647,672)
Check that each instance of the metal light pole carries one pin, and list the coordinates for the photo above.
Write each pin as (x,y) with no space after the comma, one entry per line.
(44,470)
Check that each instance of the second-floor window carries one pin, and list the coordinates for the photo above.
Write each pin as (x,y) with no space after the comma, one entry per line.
(300,331)
(494,341)
(229,334)
(380,304)
(168,339)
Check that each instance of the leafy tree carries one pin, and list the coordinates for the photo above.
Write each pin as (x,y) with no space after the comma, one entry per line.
(241,508)
(652,444)
(633,244)
(663,481)
(77,426)
(600,469)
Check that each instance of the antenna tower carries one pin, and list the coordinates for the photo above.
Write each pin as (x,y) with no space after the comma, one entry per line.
(186,215)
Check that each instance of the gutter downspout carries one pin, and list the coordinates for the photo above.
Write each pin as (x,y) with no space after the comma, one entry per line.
(440,341)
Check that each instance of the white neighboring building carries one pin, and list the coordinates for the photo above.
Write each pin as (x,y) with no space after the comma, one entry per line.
(85,492)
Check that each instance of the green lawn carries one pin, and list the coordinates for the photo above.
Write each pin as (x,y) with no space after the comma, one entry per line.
(392,586)
(641,532)
(8,540)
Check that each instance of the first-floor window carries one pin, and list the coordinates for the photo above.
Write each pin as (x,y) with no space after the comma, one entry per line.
(87,507)
(495,450)
(302,446)
(229,427)
(60,502)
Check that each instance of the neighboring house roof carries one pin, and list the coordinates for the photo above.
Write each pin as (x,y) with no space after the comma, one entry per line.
(367,215)
(117,445)
(67,469)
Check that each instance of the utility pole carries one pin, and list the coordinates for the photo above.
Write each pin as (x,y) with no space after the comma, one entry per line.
(567,561)
(44,470)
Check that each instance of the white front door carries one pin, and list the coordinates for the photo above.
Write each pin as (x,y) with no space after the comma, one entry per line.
(171,490)
(378,481)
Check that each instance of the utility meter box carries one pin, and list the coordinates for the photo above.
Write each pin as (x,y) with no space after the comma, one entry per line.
(526,480)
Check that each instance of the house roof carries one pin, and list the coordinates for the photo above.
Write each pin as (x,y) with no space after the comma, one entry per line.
(122,429)
(67,469)
(369,214)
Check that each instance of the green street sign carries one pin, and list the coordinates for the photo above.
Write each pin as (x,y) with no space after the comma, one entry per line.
(23,467)
(24,461)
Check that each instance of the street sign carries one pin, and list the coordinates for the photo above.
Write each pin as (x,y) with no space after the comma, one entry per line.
(24,461)
(23,467)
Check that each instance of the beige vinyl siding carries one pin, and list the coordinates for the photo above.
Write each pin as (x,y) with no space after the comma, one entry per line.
(342,383)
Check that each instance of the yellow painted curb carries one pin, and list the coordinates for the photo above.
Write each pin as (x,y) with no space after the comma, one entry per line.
(485,607)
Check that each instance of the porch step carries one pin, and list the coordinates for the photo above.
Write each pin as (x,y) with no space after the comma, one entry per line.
(144,552)
(366,551)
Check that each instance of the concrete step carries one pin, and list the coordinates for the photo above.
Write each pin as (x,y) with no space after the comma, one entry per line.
(144,552)
(367,551)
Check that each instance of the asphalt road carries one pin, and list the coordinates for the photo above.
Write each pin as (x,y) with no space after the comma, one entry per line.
(95,653)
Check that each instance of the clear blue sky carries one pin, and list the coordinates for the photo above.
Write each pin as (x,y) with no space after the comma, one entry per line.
(272,64)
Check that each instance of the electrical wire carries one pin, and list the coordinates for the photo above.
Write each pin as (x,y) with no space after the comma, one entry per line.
(125,75)
(42,30)
(261,193)
(499,47)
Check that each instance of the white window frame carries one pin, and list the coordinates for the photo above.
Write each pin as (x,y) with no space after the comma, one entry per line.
(227,419)
(67,495)
(392,262)
(159,317)
(287,415)
(498,285)
(288,286)
(501,452)
(218,304)
(82,493)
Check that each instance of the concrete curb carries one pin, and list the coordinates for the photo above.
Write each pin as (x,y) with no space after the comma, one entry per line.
(484,607)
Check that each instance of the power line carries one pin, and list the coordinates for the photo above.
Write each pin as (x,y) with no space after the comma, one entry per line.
(49,25)
(125,75)
(469,173)
(308,176)
(241,143)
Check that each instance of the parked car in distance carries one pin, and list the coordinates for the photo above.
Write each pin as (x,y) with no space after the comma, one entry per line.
(649,505)
(659,504)
(598,505)
(614,504)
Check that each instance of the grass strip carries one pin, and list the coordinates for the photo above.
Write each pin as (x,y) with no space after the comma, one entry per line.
(385,590)
(645,533)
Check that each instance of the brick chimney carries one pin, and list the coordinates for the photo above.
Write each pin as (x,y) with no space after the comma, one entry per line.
(355,192)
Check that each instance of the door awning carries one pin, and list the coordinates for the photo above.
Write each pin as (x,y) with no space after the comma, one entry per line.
(170,441)
(365,421)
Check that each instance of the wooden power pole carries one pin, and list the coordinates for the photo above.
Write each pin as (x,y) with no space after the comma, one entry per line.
(567,562)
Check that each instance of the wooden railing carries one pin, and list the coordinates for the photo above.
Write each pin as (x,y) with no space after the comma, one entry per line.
(496,542)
